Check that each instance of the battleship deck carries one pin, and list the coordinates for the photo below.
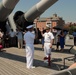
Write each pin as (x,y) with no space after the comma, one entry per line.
(12,61)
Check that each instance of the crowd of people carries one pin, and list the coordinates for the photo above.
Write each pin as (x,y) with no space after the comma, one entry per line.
(11,38)
(16,39)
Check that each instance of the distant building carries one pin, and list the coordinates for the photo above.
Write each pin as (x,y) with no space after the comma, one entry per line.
(51,22)
(57,21)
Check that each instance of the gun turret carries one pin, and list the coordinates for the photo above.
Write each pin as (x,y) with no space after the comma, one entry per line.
(23,20)
(6,7)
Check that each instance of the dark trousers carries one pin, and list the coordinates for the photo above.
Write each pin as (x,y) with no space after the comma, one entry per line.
(75,41)
(13,41)
(58,44)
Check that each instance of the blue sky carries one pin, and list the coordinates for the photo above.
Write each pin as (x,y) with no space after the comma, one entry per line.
(63,8)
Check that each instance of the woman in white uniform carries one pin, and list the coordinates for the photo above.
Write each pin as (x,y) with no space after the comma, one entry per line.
(29,46)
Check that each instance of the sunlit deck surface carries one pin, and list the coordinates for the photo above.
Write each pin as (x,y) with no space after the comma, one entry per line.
(12,61)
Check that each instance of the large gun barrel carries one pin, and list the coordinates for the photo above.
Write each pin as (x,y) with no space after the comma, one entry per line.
(24,19)
(38,9)
(6,7)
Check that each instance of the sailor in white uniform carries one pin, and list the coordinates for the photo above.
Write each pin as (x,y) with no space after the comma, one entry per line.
(29,46)
(48,41)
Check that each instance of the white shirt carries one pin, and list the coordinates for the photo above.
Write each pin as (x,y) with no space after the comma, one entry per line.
(12,34)
(48,36)
(29,37)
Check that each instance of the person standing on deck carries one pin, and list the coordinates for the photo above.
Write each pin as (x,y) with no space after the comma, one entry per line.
(48,41)
(29,46)
(74,34)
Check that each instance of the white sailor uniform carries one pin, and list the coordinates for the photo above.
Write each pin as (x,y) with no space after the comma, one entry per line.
(29,47)
(48,36)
